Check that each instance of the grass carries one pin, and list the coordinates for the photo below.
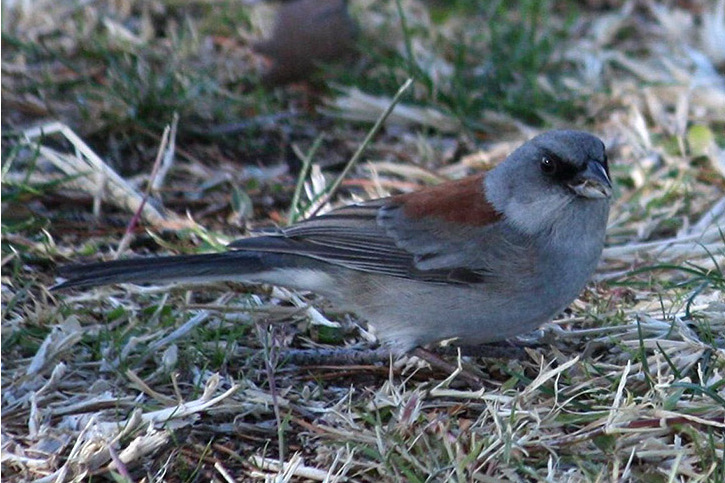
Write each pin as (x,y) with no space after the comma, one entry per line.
(502,61)
(190,384)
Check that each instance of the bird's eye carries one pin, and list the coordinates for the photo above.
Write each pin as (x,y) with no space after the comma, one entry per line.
(548,165)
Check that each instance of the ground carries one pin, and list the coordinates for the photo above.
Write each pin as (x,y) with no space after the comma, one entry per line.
(155,127)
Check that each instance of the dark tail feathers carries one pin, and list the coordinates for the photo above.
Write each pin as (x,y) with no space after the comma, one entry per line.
(232,265)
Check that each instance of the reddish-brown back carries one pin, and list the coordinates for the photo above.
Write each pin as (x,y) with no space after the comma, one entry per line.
(462,201)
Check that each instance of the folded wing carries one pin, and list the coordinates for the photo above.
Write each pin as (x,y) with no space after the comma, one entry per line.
(400,236)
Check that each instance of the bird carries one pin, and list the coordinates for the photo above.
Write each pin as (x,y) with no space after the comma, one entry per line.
(475,260)
(307,33)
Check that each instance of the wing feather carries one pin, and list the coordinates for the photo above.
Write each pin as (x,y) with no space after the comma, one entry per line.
(380,237)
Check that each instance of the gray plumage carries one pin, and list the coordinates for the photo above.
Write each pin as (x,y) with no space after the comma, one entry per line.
(513,250)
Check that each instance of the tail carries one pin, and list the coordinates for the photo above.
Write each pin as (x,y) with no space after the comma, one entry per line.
(229,266)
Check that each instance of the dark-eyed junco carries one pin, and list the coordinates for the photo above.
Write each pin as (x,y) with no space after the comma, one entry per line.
(479,259)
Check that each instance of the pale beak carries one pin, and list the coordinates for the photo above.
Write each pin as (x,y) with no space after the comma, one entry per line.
(593,182)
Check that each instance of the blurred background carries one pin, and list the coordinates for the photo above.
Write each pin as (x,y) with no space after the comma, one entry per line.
(169,126)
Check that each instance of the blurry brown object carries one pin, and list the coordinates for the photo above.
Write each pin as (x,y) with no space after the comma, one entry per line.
(306,34)
(601,4)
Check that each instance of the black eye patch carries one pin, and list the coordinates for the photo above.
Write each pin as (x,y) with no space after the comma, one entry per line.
(557,168)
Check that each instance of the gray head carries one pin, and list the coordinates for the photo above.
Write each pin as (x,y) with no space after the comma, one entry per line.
(543,179)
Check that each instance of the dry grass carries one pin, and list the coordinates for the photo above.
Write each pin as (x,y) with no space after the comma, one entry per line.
(191,384)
